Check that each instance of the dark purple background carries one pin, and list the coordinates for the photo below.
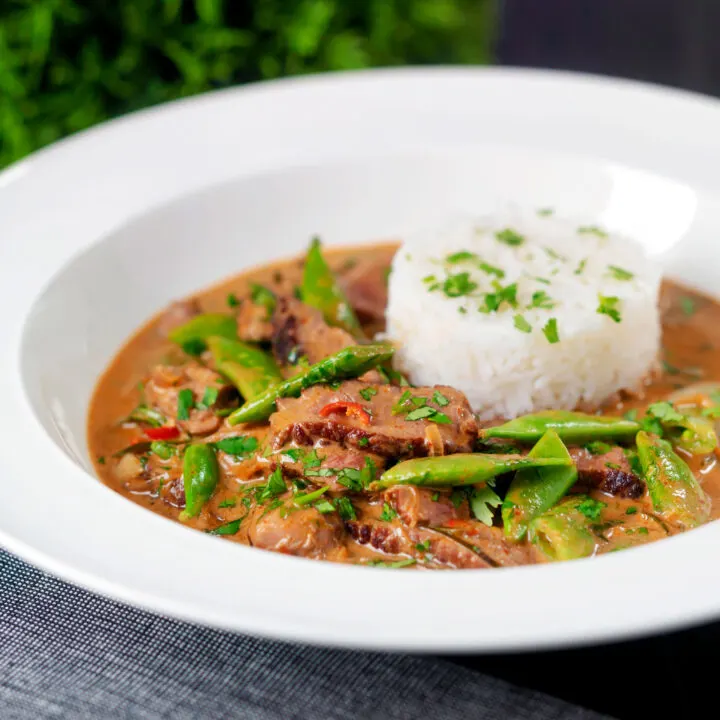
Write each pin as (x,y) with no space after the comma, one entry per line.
(672,42)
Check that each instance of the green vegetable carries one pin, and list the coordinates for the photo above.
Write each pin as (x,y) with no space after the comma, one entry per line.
(609,306)
(186,403)
(232,300)
(550,330)
(209,398)
(482,503)
(260,295)
(193,335)
(570,426)
(345,508)
(164,450)
(229,528)
(694,433)
(460,469)
(200,478)
(619,273)
(563,532)
(311,497)
(349,362)
(535,490)
(522,324)
(675,493)
(147,415)
(321,290)
(249,368)
(239,446)
(509,237)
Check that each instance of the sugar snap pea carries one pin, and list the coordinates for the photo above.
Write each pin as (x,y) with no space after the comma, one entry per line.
(321,290)
(460,469)
(535,490)
(570,426)
(249,368)
(563,532)
(193,335)
(675,493)
(349,362)
(200,477)
(147,415)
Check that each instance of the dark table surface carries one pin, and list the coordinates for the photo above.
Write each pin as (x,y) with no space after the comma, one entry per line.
(670,42)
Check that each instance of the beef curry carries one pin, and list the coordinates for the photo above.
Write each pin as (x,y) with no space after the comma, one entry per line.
(260,411)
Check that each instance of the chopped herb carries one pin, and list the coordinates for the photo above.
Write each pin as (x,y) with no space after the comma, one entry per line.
(323,472)
(581,266)
(458,285)
(345,509)
(652,425)
(350,478)
(421,413)
(368,393)
(440,399)
(612,466)
(401,406)
(550,331)
(541,299)
(592,230)
(631,510)
(275,486)
(430,279)
(307,498)
(209,398)
(462,310)
(423,546)
(261,295)
(522,324)
(185,404)
(591,508)
(492,270)
(545,212)
(293,453)
(367,474)
(542,280)
(665,412)
(229,528)
(194,347)
(246,501)
(642,531)
(101,460)
(631,414)
(435,497)
(554,254)
(457,497)
(164,450)
(509,237)
(232,300)
(619,273)
(227,503)
(440,418)
(493,301)
(363,442)
(609,305)
(238,446)
(461,256)
(388,513)
(312,460)
(324,507)
(687,305)
(397,564)
(598,447)
(482,503)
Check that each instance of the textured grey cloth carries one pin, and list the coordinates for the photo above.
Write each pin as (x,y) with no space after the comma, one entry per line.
(67,653)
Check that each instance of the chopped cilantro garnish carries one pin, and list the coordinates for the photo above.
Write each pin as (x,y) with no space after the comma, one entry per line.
(458,285)
(275,486)
(185,404)
(324,507)
(209,398)
(619,273)
(522,324)
(550,330)
(164,450)
(598,447)
(631,414)
(368,393)
(631,510)
(581,266)
(260,295)
(420,413)
(609,305)
(642,531)
(350,478)
(461,256)
(402,405)
(481,503)
(554,254)
(687,305)
(591,508)
(388,513)
(363,442)
(312,460)
(665,412)
(435,497)
(396,564)
(311,497)
(345,509)
(293,453)
(510,237)
(545,212)
(368,472)
(101,460)
(230,503)
(542,280)
(440,399)
(232,300)
(592,230)
(492,270)
(430,279)
(238,446)
(424,546)
(541,299)
(229,528)
(194,347)
(493,301)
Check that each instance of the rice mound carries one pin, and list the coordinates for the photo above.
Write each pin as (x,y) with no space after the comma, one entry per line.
(442,276)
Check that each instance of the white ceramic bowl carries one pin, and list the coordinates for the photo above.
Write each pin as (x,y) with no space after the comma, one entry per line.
(208,186)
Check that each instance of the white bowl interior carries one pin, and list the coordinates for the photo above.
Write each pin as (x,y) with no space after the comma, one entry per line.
(97,300)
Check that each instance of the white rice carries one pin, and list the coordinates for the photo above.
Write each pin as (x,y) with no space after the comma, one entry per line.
(506,372)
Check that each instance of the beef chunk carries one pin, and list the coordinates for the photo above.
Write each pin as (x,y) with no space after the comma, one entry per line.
(365,286)
(609,472)
(325,465)
(424,545)
(385,433)
(304,531)
(165,383)
(177,314)
(253,322)
(419,506)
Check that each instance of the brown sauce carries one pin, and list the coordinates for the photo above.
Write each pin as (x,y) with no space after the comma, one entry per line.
(691,338)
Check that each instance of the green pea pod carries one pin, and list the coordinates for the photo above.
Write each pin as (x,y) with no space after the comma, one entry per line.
(321,290)
(693,433)
(535,490)
(193,335)
(200,478)
(349,362)
(460,469)
(675,493)
(570,426)
(147,415)
(251,370)
(563,532)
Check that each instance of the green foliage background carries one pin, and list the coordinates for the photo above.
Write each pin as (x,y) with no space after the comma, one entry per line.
(67,64)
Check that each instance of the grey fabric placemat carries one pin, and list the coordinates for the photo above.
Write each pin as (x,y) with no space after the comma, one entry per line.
(68,653)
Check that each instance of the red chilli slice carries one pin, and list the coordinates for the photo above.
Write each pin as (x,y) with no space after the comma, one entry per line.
(166,432)
(351,409)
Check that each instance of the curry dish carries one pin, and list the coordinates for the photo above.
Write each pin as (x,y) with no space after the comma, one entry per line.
(261,411)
